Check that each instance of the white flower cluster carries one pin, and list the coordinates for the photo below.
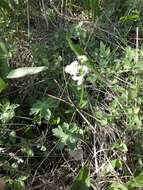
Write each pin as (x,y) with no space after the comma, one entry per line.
(77,71)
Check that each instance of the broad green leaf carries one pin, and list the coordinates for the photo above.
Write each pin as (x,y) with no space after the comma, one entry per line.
(116,163)
(24,71)
(82,181)
(2,85)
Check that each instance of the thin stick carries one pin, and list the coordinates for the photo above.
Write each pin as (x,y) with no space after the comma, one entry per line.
(44,12)
(95,151)
(137,53)
(28,20)
(137,45)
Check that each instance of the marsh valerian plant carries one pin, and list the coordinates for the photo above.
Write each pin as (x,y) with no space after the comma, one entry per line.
(77,71)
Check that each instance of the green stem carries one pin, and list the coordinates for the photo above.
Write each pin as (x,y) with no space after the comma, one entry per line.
(81,95)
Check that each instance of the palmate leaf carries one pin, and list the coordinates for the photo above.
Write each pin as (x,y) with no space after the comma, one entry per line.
(82,181)
(24,71)
(68,135)
(42,108)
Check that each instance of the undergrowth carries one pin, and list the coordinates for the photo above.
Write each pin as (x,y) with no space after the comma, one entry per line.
(72,120)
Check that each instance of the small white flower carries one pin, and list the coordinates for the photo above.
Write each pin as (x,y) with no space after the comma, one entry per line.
(41,147)
(72,69)
(85,70)
(11,154)
(79,79)
(77,71)
(2,150)
(124,158)
(82,58)
(19,160)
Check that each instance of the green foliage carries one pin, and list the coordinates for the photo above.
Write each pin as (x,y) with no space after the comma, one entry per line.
(93,7)
(68,134)
(122,104)
(2,85)
(3,60)
(136,182)
(133,17)
(75,47)
(82,181)
(111,166)
(104,54)
(79,53)
(120,147)
(117,186)
(7,111)
(27,149)
(18,183)
(41,109)
(5,5)
(108,96)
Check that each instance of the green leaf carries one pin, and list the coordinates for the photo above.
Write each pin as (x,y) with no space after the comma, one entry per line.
(2,85)
(109,167)
(117,186)
(24,71)
(58,132)
(116,163)
(75,47)
(5,5)
(137,182)
(82,181)
(80,52)
(7,111)
(134,17)
(3,49)
(42,108)
(28,150)
(95,8)
(121,147)
(4,69)
(68,135)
